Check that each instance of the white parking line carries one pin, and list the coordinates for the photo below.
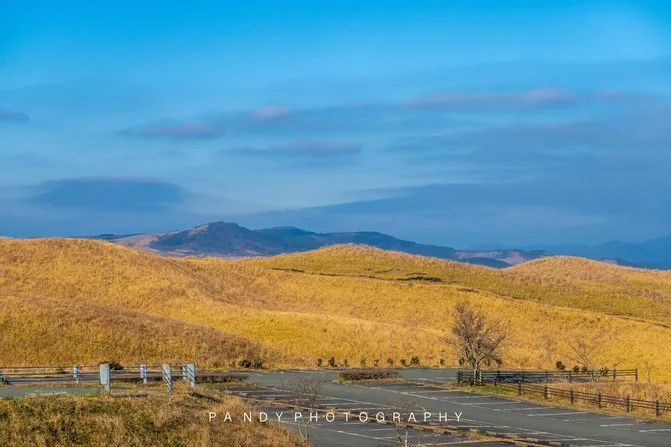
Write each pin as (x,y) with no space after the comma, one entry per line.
(524,408)
(554,414)
(495,403)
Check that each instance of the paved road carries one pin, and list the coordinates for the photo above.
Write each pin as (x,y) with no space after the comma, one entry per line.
(521,419)
(23,391)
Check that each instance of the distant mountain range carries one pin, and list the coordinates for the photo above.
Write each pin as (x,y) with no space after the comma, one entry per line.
(653,253)
(232,240)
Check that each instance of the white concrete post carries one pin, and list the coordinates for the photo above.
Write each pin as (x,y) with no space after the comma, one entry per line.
(191,374)
(105,378)
(143,373)
(75,373)
(167,376)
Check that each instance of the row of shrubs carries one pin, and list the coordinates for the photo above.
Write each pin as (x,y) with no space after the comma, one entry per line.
(579,369)
(390,362)
(350,376)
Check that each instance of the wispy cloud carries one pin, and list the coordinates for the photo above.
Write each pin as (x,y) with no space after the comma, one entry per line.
(179,130)
(642,132)
(385,118)
(14,116)
(304,149)
(548,97)
(109,193)
(270,113)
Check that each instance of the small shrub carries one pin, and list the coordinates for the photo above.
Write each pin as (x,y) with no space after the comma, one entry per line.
(390,361)
(332,362)
(403,362)
(376,363)
(257,364)
(560,365)
(224,378)
(320,363)
(414,361)
(345,363)
(245,363)
(576,369)
(442,362)
(362,363)
(114,366)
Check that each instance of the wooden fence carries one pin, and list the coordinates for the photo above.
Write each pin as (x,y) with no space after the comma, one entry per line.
(598,399)
(515,376)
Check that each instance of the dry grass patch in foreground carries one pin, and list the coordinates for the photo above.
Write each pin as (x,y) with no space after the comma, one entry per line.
(178,420)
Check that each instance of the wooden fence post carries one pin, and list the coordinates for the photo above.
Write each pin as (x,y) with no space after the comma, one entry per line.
(167,376)
(545,392)
(628,404)
(105,377)
(572,396)
(599,400)
(614,374)
(569,377)
(657,411)
(460,376)
(636,374)
(519,388)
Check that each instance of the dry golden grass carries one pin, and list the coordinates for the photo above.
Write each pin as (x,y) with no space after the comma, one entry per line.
(123,421)
(345,301)
(562,280)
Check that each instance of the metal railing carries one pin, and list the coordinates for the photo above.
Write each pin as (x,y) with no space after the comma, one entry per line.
(105,374)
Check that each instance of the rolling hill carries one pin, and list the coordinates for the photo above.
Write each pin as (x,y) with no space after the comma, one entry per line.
(104,301)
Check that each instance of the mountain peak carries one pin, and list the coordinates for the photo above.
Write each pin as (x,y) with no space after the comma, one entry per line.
(229,239)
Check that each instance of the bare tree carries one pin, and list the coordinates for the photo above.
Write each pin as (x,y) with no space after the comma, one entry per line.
(304,392)
(547,347)
(479,341)
(585,349)
(403,407)
(648,367)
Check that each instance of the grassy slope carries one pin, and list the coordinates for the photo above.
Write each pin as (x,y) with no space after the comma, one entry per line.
(563,281)
(131,421)
(359,305)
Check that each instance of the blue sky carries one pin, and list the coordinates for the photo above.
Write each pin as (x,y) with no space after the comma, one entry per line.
(460,122)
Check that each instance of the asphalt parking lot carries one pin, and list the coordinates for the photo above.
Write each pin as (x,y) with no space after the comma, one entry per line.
(354,433)
(507,417)
(504,417)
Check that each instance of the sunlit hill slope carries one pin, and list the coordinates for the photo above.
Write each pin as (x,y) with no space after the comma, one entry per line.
(66,301)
